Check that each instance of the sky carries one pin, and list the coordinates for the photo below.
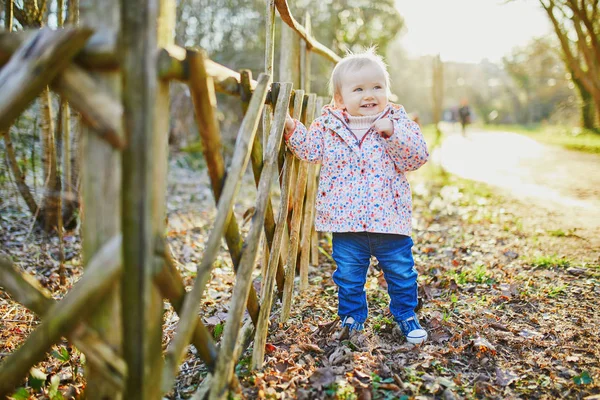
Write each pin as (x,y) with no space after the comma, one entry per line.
(470,30)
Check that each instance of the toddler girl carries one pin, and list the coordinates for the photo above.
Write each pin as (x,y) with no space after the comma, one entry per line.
(365,144)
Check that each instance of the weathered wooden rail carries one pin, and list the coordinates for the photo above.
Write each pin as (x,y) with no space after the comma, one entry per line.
(113,314)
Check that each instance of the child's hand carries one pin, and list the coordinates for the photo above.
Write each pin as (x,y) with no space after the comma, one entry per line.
(384,127)
(289,124)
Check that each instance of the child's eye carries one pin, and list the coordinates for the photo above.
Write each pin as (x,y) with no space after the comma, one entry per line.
(378,87)
(358,90)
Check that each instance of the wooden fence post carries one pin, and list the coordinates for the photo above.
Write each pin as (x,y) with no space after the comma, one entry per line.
(314,242)
(305,58)
(262,327)
(309,205)
(146,116)
(299,185)
(101,195)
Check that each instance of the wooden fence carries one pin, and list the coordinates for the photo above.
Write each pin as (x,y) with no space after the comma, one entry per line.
(113,313)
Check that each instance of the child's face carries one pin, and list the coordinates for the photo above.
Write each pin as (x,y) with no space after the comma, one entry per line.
(363,92)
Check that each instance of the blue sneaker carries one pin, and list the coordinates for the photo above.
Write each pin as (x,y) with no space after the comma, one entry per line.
(349,325)
(413,331)
(352,324)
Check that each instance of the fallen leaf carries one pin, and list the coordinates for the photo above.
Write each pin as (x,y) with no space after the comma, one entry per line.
(505,377)
(529,334)
(322,377)
(389,386)
(499,327)
(310,347)
(269,348)
(361,375)
(482,345)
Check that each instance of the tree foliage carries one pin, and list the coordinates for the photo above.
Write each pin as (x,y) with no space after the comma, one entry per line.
(542,82)
(577,26)
(233,34)
(233,31)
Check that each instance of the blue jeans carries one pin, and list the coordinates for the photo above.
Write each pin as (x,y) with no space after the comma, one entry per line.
(352,253)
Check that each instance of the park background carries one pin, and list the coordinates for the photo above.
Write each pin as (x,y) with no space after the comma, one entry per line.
(509,285)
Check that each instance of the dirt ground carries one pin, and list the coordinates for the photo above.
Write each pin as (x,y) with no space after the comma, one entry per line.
(509,294)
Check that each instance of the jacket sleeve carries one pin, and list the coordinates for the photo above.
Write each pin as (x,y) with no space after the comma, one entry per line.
(406,146)
(306,144)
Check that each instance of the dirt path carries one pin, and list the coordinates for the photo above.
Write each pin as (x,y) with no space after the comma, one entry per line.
(564,183)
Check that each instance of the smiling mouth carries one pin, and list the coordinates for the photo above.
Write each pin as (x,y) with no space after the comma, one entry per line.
(372,105)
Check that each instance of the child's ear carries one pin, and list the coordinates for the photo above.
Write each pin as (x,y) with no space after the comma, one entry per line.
(339,101)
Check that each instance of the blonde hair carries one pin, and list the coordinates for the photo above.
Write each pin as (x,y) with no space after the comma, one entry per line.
(353,62)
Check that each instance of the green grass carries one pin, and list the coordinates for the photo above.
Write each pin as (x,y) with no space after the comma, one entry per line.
(550,262)
(379,321)
(478,274)
(572,138)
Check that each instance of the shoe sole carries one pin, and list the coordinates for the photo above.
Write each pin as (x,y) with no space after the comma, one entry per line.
(417,339)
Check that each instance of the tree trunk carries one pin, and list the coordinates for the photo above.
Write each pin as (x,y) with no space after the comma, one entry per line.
(32,14)
(19,177)
(588,114)
(437,92)
(71,159)
(583,55)
(50,211)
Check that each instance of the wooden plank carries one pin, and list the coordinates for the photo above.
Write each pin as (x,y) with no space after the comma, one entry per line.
(27,291)
(244,341)
(314,244)
(312,43)
(269,62)
(299,187)
(296,112)
(309,204)
(225,360)
(159,160)
(98,109)
(173,64)
(101,199)
(262,327)
(99,52)
(34,66)
(239,162)
(62,317)
(295,226)
(8,15)
(171,286)
(141,301)
(256,158)
(305,58)
(205,106)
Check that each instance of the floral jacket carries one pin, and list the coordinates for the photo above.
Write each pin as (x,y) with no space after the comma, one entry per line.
(362,187)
